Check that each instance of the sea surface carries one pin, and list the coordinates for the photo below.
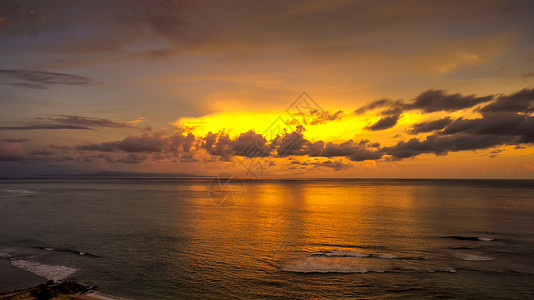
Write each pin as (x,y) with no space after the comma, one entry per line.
(275,239)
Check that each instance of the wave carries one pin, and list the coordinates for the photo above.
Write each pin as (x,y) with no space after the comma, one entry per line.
(346,253)
(104,297)
(472,257)
(49,272)
(328,265)
(348,264)
(469,238)
(14,192)
(388,256)
(352,253)
(77,252)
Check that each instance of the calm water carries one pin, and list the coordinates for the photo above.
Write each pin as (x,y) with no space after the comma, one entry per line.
(165,238)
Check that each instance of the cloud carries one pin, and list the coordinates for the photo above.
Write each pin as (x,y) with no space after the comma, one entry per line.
(505,124)
(10,151)
(522,101)
(143,143)
(72,122)
(384,123)
(88,121)
(315,117)
(40,79)
(21,140)
(44,126)
(337,165)
(429,126)
(441,145)
(428,101)
(251,144)
(438,100)
(375,104)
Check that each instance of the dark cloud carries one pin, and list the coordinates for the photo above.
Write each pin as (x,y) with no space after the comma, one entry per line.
(362,154)
(15,140)
(376,104)
(506,124)
(428,101)
(84,121)
(219,144)
(292,143)
(44,126)
(384,123)
(131,158)
(143,143)
(40,79)
(251,144)
(522,101)
(430,126)
(528,75)
(337,165)
(71,122)
(441,145)
(438,100)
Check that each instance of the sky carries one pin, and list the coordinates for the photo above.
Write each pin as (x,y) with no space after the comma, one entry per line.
(268,89)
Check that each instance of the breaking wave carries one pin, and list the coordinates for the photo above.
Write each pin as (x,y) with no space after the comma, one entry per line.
(49,272)
(469,238)
(473,257)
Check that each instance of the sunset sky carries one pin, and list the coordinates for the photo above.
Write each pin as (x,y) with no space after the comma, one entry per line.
(262,89)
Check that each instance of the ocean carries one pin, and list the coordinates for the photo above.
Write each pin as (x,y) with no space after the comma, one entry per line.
(274,239)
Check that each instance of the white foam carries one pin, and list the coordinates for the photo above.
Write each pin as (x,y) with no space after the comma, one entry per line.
(450,270)
(55,273)
(387,256)
(2,254)
(346,253)
(104,297)
(48,249)
(485,239)
(473,257)
(16,191)
(329,265)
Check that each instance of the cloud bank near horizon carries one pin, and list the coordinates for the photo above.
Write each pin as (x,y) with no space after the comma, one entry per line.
(500,120)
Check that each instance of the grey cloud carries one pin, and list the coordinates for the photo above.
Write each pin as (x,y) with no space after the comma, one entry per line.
(507,124)
(337,165)
(144,143)
(68,122)
(21,140)
(441,145)
(376,104)
(44,126)
(384,123)
(40,79)
(83,121)
(428,101)
(438,100)
(430,126)
(522,101)
(131,158)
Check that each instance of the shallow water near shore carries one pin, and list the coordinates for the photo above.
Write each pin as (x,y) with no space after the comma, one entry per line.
(167,239)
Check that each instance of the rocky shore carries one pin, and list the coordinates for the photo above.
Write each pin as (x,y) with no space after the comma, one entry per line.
(53,290)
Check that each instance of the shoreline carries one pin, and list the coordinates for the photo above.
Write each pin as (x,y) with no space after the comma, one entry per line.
(19,284)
